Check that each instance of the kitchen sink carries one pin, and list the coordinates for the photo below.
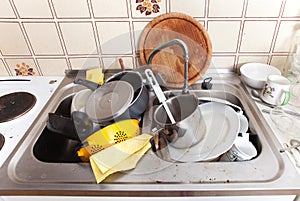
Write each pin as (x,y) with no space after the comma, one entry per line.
(47,161)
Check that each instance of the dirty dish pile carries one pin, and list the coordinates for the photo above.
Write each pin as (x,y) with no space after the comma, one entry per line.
(255,74)
(222,127)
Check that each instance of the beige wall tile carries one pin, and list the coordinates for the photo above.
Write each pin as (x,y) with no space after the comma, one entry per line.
(279,62)
(81,33)
(224,35)
(114,37)
(284,40)
(195,8)
(257,36)
(251,59)
(109,9)
(222,61)
(229,8)
(265,8)
(71,8)
(84,63)
(6,10)
(292,8)
(113,62)
(138,29)
(12,41)
(44,38)
(33,8)
(3,71)
(53,67)
(79,37)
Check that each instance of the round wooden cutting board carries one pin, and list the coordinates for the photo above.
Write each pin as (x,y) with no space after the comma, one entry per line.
(169,62)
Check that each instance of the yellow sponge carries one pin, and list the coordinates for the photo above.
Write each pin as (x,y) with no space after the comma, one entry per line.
(95,75)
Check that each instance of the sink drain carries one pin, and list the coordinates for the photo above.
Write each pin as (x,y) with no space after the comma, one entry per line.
(2,140)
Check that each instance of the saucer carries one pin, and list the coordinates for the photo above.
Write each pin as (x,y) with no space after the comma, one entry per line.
(222,126)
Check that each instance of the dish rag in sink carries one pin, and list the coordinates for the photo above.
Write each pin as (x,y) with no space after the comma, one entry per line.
(119,157)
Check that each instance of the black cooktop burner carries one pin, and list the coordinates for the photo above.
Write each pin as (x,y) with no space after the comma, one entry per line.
(16,104)
(2,140)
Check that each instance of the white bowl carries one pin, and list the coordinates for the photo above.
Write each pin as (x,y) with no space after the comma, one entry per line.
(255,74)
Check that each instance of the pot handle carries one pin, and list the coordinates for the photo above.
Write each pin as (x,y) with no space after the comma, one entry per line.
(89,84)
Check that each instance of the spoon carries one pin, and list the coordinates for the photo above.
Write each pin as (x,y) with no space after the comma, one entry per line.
(255,94)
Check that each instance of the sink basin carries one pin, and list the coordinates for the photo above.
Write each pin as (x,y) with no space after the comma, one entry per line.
(207,95)
(47,161)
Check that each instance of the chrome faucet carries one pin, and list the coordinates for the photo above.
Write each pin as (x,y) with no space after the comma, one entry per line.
(186,59)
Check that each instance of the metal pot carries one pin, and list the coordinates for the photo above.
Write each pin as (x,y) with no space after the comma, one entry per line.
(189,128)
(141,96)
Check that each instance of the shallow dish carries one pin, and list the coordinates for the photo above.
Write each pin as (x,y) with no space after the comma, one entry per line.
(255,74)
(222,126)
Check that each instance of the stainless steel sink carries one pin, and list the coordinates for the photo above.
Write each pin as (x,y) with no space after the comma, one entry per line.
(46,162)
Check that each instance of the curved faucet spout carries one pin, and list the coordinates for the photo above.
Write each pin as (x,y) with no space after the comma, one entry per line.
(185,56)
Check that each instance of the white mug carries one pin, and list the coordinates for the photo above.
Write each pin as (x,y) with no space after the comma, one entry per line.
(276,90)
(242,149)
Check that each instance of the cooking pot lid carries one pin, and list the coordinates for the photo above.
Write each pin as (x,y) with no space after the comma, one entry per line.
(15,104)
(109,101)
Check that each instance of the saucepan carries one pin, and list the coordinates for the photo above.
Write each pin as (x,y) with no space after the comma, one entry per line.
(133,110)
(188,127)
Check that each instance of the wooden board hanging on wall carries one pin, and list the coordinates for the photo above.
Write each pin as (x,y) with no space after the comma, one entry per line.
(169,62)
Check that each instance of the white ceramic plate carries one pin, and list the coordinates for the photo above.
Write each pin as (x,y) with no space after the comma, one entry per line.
(222,126)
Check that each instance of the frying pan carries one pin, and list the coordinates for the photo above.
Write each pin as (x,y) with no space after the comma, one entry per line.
(134,78)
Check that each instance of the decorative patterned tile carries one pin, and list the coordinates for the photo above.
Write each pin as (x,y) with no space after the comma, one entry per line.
(285,36)
(222,61)
(78,37)
(14,65)
(228,40)
(265,8)
(44,38)
(6,10)
(195,8)
(33,8)
(257,36)
(109,9)
(12,41)
(292,8)
(53,67)
(84,63)
(148,8)
(114,37)
(71,8)
(229,8)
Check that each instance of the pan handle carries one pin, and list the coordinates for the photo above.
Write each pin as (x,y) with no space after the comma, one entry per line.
(89,84)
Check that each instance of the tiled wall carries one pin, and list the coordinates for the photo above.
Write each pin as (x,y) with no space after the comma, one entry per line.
(48,36)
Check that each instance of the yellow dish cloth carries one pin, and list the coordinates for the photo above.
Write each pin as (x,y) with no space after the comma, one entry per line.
(119,157)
